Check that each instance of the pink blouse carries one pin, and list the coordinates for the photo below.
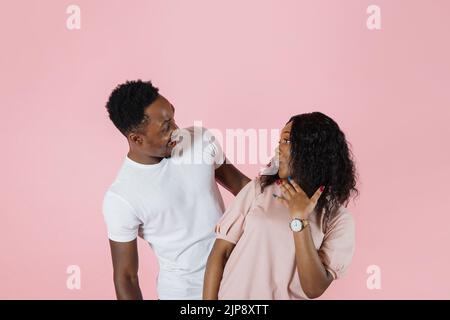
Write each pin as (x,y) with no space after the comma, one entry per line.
(262,264)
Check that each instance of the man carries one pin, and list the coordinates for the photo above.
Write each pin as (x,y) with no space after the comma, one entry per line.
(168,198)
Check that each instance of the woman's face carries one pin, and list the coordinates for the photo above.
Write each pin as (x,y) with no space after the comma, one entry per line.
(284,146)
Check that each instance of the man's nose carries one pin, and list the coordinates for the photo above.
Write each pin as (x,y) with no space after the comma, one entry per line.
(172,143)
(174,137)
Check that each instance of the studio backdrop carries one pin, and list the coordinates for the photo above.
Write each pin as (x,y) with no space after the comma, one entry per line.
(380,68)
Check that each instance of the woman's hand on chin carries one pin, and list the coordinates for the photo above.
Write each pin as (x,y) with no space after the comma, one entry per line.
(296,200)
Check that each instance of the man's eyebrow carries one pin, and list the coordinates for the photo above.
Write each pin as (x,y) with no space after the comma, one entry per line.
(164,122)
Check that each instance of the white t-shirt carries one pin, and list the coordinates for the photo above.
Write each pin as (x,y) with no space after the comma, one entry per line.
(174,205)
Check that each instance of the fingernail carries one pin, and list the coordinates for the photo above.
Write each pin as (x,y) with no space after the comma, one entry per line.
(322,188)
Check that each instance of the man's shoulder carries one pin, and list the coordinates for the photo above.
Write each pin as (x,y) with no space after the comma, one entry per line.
(115,193)
(122,184)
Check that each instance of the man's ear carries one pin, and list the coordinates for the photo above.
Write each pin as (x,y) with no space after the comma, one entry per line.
(135,138)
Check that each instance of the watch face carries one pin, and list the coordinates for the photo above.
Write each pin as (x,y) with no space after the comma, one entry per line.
(296,225)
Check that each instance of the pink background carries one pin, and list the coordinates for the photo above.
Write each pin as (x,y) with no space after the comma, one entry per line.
(232,64)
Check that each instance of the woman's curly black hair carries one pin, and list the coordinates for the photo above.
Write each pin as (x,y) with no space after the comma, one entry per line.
(320,156)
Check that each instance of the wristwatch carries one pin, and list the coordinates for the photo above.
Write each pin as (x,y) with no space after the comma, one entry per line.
(298,225)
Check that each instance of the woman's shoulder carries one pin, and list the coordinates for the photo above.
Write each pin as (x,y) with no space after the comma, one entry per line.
(253,187)
(340,217)
(252,190)
(258,189)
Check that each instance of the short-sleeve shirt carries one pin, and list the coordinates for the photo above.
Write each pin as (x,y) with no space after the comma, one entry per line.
(262,264)
(174,205)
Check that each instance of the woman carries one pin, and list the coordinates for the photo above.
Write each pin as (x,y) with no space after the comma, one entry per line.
(288,235)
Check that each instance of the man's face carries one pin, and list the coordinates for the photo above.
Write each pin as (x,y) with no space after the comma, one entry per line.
(154,136)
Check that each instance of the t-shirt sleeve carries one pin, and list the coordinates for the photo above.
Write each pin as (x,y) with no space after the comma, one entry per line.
(198,145)
(213,149)
(231,224)
(121,220)
(338,246)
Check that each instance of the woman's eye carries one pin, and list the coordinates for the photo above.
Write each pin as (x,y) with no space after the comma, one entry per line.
(285,141)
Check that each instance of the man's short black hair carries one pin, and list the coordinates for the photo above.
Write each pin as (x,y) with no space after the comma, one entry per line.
(127,103)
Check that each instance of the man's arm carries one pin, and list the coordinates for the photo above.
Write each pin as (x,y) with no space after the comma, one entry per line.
(125,264)
(229,177)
